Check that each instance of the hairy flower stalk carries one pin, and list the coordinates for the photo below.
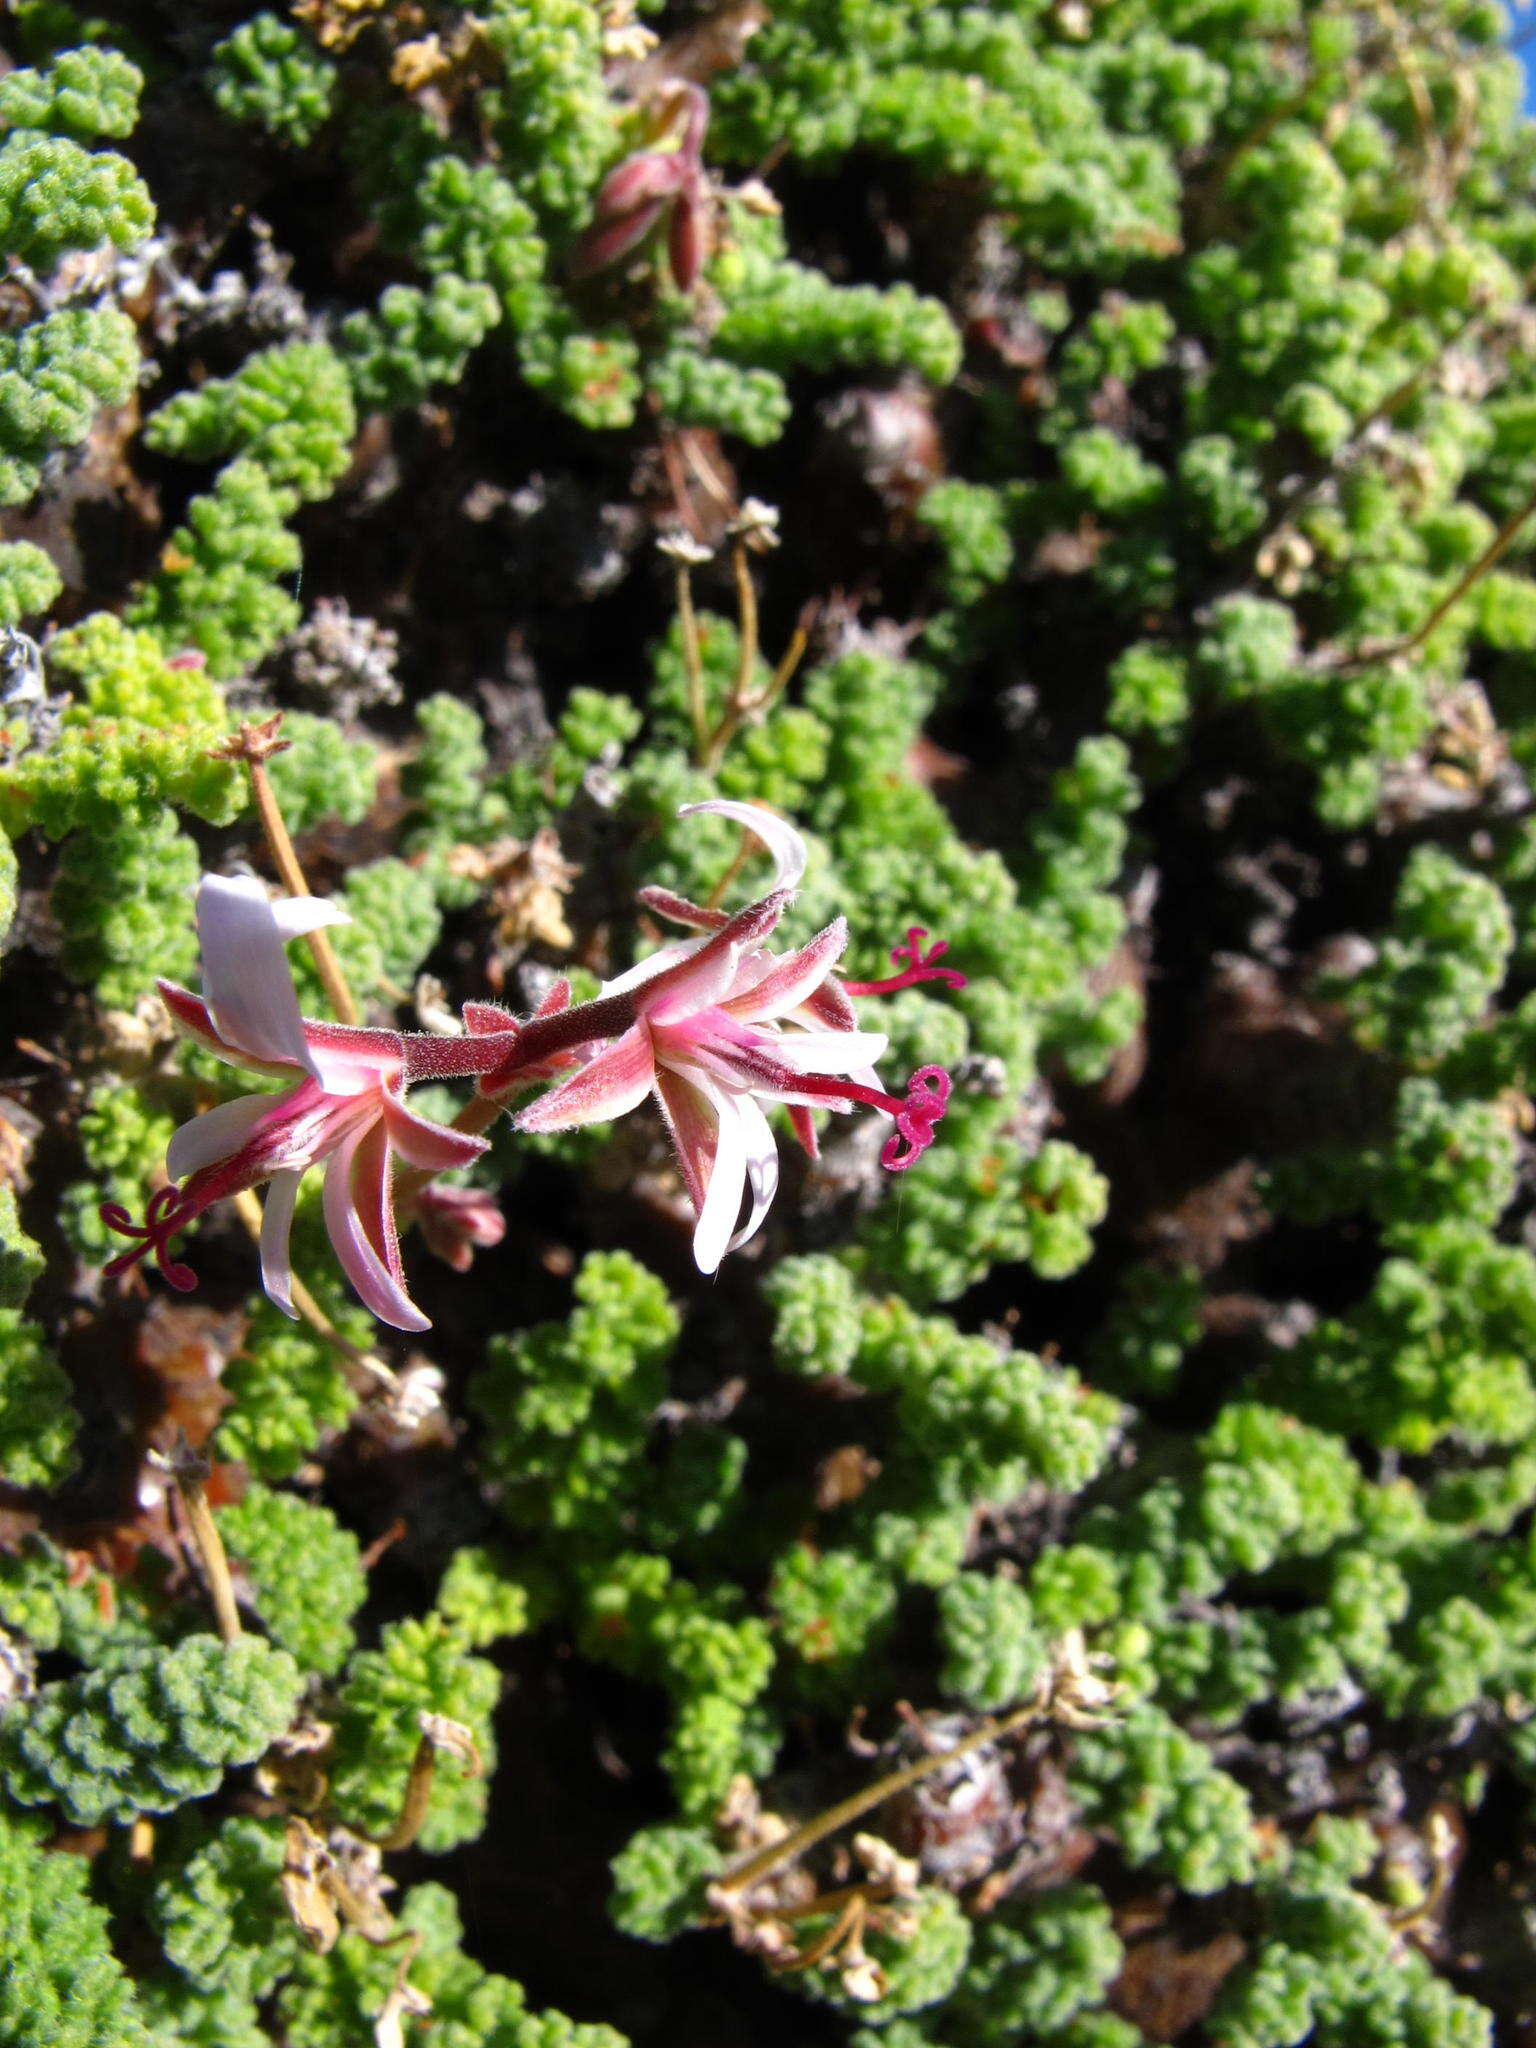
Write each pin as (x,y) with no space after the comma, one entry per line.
(716,1027)
(347,1107)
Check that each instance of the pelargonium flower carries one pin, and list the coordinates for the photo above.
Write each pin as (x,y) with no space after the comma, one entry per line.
(716,1027)
(347,1107)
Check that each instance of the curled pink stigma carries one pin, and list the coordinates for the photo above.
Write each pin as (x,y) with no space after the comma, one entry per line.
(168,1211)
(927,1100)
(920,967)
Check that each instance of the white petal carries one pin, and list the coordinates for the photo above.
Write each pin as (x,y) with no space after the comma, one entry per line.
(216,1134)
(247,984)
(776,833)
(652,965)
(762,1167)
(296,915)
(830,1052)
(276,1223)
(727,1179)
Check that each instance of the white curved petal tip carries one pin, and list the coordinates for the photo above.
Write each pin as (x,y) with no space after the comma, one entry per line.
(296,915)
(776,833)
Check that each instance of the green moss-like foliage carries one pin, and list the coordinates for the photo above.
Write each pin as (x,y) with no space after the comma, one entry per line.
(320,774)
(85,94)
(1167,1802)
(1036,1965)
(55,196)
(486,1599)
(123,896)
(419,1668)
(55,374)
(89,1615)
(567,1406)
(29,582)
(38,1420)
(816,1317)
(416,339)
(21,1258)
(288,1389)
(993,1653)
(148,1730)
(219,1914)
(921,1951)
(305,1573)
(61,1985)
(267,73)
(336,1997)
(658,1881)
(220,584)
(1329,1964)
(287,409)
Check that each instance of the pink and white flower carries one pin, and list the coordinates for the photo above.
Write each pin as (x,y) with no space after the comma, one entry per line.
(718,1026)
(347,1107)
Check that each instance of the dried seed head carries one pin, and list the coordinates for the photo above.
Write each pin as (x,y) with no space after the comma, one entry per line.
(756,525)
(682,547)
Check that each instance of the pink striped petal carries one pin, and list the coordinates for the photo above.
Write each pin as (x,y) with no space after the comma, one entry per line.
(247,983)
(652,174)
(434,1147)
(830,1007)
(792,979)
(690,983)
(709,977)
(776,833)
(349,1059)
(609,1086)
(804,1127)
(360,1222)
(189,1013)
(680,910)
(606,241)
(276,1226)
(219,1133)
(690,1123)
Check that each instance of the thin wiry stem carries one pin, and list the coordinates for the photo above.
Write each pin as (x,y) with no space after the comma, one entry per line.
(340,997)
(693,663)
(252,745)
(766,1860)
(1410,643)
(189,1474)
